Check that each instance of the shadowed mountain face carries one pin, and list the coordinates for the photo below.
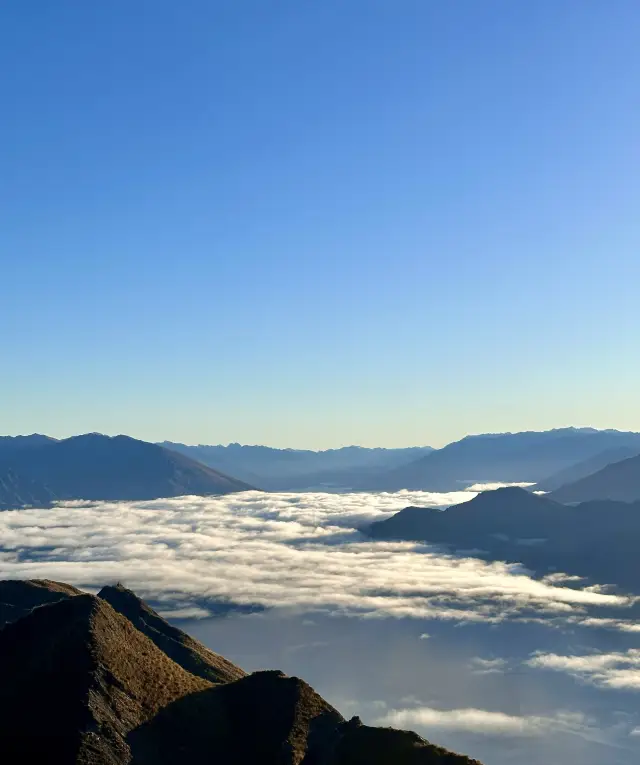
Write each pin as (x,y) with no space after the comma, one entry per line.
(296,469)
(81,684)
(94,467)
(19,491)
(618,481)
(586,467)
(511,524)
(268,717)
(20,597)
(506,457)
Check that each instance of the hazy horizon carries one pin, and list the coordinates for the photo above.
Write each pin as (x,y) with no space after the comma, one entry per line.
(298,447)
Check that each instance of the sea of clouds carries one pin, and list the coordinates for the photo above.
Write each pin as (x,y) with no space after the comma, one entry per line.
(303,551)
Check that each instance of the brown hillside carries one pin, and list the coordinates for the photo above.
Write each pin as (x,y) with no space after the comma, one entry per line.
(77,677)
(183,649)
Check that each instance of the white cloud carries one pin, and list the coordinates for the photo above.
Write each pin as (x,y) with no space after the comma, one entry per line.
(480,666)
(185,613)
(611,624)
(560,578)
(618,671)
(482,721)
(276,550)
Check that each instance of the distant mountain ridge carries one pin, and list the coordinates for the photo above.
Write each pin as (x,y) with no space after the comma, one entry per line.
(82,683)
(587,467)
(12,444)
(616,481)
(504,457)
(98,467)
(38,470)
(298,469)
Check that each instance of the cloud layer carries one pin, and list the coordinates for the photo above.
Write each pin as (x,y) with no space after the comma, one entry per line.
(484,722)
(616,671)
(286,550)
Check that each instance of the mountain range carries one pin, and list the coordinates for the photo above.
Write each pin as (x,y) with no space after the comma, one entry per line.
(300,469)
(504,457)
(104,680)
(512,524)
(617,481)
(35,470)
(586,467)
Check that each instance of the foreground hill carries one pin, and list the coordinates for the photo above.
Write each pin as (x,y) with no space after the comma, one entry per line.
(98,467)
(82,684)
(618,481)
(503,457)
(512,524)
(297,469)
(183,649)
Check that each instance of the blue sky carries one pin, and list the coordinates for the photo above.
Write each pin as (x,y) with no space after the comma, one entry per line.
(319,223)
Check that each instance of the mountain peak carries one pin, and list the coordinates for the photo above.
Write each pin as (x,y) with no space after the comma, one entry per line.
(183,649)
(508,495)
(80,674)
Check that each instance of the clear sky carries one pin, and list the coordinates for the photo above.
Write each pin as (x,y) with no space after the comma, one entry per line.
(314,223)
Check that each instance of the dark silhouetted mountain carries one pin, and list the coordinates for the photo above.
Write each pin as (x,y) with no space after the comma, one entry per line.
(586,467)
(618,481)
(183,649)
(297,469)
(98,467)
(365,745)
(265,717)
(510,511)
(20,596)
(272,719)
(81,684)
(595,540)
(504,457)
